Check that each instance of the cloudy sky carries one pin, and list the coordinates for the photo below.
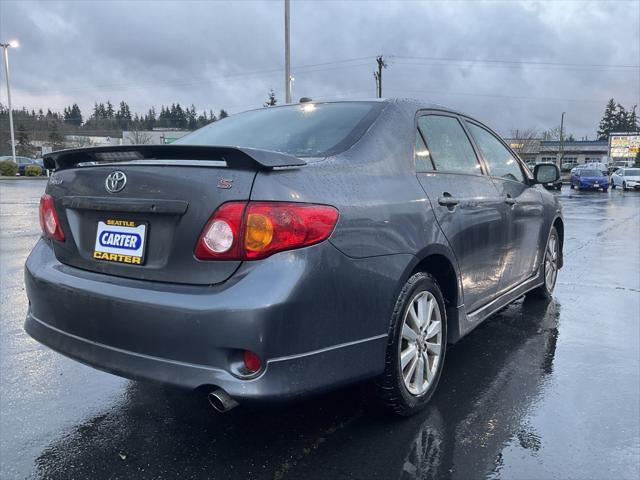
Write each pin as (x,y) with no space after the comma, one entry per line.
(511,64)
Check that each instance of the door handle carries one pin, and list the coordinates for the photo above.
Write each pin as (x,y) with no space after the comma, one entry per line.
(509,200)
(446,200)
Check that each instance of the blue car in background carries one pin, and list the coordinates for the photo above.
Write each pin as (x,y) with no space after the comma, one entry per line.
(586,178)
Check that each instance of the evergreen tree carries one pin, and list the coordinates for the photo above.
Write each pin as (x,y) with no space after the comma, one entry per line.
(620,121)
(192,117)
(178,118)
(632,120)
(123,116)
(164,119)
(150,119)
(271,100)
(109,112)
(72,115)
(76,115)
(203,119)
(607,123)
(222,114)
(23,146)
(55,138)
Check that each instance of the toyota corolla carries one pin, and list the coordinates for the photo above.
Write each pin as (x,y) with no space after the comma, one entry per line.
(290,250)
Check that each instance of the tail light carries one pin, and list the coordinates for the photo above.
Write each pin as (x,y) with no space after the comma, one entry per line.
(49,219)
(254,230)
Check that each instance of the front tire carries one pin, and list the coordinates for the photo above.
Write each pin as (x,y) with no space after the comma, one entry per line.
(416,347)
(624,186)
(551,262)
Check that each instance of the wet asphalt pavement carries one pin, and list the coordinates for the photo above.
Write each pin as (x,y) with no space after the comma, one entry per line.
(540,390)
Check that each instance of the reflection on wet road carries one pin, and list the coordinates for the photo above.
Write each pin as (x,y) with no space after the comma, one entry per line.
(541,390)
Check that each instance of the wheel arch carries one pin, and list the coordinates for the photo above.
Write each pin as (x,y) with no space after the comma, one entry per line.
(559,224)
(438,261)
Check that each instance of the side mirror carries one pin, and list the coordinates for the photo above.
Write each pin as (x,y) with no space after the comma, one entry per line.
(546,173)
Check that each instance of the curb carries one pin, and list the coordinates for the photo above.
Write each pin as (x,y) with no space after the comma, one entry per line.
(18,178)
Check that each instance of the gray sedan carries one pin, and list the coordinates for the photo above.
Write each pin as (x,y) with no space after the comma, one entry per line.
(290,250)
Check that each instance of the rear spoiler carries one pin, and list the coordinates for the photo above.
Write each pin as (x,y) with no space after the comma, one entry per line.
(235,157)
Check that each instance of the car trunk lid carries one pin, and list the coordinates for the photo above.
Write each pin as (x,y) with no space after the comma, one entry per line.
(137,211)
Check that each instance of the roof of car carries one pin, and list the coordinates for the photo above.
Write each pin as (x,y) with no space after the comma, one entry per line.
(401,102)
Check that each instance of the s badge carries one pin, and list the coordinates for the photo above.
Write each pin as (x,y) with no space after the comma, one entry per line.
(225,183)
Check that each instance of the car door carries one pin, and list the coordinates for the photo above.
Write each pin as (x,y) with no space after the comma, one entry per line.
(466,203)
(525,209)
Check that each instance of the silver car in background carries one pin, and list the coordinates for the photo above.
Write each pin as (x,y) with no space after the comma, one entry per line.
(626,178)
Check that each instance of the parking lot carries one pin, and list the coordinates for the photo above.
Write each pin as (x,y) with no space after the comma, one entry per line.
(540,390)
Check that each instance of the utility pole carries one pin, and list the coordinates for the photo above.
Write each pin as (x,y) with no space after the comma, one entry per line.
(287,54)
(378,75)
(5,48)
(561,140)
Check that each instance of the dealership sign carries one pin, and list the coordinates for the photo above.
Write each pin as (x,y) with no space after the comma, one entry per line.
(624,145)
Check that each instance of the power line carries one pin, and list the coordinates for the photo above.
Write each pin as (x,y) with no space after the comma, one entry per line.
(513,62)
(256,73)
(511,97)
(512,67)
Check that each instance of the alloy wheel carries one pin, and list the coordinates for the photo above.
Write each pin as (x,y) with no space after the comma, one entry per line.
(551,262)
(421,343)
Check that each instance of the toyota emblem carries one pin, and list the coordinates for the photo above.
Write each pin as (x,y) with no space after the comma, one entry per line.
(115,181)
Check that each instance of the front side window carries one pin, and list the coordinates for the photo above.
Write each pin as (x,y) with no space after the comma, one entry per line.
(448,145)
(305,130)
(500,161)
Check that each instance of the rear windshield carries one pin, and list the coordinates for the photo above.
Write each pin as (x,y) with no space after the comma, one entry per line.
(590,173)
(305,130)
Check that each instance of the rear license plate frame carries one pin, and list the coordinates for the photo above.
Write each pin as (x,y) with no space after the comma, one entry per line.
(126,253)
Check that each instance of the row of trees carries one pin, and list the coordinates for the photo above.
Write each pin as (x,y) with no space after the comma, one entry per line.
(104,120)
(104,115)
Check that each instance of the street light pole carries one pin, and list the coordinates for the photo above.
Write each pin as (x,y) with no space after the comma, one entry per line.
(5,48)
(287,54)
(561,140)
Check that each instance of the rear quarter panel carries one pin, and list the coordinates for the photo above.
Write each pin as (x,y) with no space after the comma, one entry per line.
(385,217)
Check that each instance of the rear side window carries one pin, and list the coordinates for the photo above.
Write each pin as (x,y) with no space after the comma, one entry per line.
(305,130)
(500,161)
(423,158)
(448,145)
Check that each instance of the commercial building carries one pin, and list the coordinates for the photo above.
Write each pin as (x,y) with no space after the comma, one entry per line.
(152,137)
(560,153)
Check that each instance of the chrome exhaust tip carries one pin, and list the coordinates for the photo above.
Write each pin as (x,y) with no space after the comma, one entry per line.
(221,401)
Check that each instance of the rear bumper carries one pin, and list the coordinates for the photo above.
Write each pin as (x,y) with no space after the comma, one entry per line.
(311,332)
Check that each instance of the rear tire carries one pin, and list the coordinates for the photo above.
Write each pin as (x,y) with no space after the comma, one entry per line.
(550,266)
(414,360)
(572,187)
